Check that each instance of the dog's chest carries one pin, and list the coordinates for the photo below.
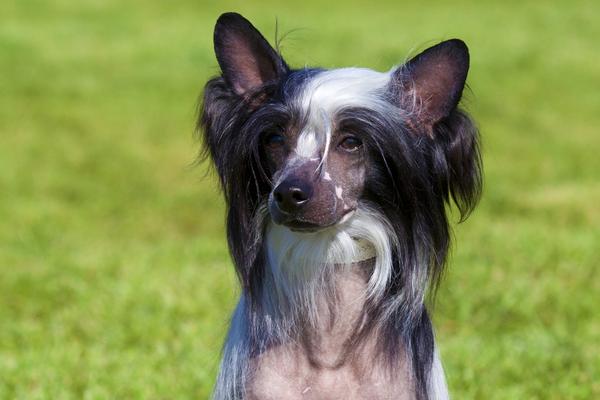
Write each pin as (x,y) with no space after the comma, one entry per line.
(317,369)
(288,375)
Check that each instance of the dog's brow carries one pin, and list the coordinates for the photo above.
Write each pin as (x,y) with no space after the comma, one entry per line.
(307,144)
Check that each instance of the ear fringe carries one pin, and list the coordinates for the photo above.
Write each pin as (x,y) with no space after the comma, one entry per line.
(222,115)
(460,168)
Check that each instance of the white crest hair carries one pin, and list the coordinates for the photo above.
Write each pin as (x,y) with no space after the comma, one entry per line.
(330,92)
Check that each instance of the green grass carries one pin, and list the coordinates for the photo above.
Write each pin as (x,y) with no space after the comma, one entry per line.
(114,276)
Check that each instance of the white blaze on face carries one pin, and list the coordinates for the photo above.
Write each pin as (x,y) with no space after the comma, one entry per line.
(307,145)
(331,91)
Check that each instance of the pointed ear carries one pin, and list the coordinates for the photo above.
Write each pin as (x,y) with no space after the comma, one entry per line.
(434,81)
(244,55)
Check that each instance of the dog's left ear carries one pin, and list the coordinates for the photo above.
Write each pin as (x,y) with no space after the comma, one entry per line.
(429,87)
(431,84)
(247,60)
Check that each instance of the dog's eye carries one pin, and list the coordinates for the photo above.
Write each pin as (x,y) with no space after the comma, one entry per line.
(350,143)
(274,139)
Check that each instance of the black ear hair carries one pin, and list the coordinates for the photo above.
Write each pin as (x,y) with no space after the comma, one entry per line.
(434,81)
(247,60)
(457,161)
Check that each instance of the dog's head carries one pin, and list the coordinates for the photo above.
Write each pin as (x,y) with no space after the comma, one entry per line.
(318,135)
(313,145)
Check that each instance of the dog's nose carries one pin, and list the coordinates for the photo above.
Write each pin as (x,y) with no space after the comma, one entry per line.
(291,196)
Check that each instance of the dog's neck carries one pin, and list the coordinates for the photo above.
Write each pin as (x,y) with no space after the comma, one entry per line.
(329,344)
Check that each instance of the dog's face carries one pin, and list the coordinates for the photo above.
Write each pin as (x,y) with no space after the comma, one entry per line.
(320,134)
(316,159)
(317,177)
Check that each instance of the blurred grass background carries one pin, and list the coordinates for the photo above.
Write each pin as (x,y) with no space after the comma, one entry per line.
(115,280)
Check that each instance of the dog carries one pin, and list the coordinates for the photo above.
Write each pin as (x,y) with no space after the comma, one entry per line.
(337,184)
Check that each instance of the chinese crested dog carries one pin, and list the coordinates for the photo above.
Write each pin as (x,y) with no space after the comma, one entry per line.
(337,184)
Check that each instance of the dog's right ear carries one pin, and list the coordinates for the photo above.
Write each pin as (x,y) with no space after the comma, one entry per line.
(246,59)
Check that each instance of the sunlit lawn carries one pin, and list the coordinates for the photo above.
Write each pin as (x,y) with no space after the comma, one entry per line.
(114,276)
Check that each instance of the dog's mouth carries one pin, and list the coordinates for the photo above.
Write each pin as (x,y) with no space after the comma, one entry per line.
(300,225)
(303,226)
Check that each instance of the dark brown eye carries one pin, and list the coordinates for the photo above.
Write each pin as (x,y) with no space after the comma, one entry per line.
(274,140)
(350,143)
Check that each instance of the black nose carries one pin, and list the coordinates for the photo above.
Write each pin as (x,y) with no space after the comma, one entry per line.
(291,196)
